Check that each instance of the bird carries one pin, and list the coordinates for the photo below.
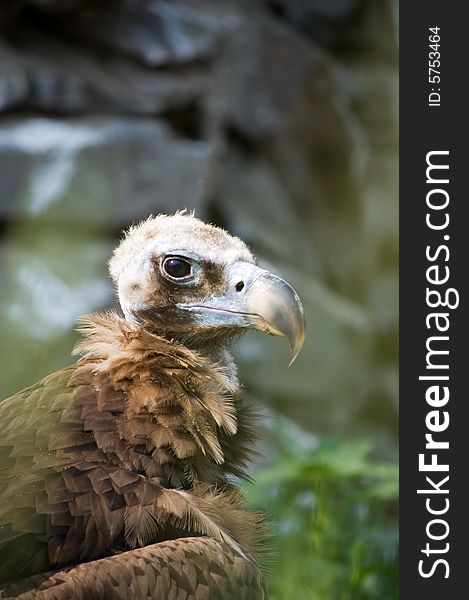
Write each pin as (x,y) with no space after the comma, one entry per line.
(119,474)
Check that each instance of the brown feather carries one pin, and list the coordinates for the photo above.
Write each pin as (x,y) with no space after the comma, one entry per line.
(132,446)
(192,568)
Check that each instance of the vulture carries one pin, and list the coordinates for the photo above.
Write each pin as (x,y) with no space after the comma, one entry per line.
(119,475)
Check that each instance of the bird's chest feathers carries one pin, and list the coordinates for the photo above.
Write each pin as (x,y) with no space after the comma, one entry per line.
(159,410)
(177,417)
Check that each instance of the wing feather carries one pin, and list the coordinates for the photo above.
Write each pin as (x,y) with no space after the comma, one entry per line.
(191,568)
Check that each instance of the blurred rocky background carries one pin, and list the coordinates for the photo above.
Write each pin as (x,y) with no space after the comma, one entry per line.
(278,120)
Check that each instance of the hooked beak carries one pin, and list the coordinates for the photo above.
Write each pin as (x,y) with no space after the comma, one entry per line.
(258,299)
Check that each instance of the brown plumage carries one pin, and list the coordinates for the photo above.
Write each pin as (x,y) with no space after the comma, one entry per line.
(131,452)
(201,568)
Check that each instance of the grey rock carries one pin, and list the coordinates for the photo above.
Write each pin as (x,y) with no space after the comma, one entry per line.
(100,171)
(51,76)
(275,119)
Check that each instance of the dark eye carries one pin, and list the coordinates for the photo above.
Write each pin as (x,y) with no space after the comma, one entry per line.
(177,268)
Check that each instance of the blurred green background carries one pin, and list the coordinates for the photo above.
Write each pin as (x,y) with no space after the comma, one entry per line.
(278,120)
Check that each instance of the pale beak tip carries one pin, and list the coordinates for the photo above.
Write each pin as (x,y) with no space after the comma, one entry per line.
(295,348)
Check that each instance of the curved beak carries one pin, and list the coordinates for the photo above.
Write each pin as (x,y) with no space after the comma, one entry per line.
(275,308)
(258,299)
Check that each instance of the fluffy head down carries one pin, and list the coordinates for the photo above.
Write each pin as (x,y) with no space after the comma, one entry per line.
(135,264)
(193,282)
(170,233)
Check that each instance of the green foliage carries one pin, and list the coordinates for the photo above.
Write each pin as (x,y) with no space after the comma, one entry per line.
(334,513)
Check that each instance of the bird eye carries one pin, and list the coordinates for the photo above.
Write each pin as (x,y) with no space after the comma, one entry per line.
(177,268)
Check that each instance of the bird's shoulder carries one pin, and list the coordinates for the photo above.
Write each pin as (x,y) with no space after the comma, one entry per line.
(135,436)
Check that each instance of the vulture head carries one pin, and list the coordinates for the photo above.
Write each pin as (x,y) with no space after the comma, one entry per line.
(194,282)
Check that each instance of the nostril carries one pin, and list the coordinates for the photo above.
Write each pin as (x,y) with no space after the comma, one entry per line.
(239,286)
